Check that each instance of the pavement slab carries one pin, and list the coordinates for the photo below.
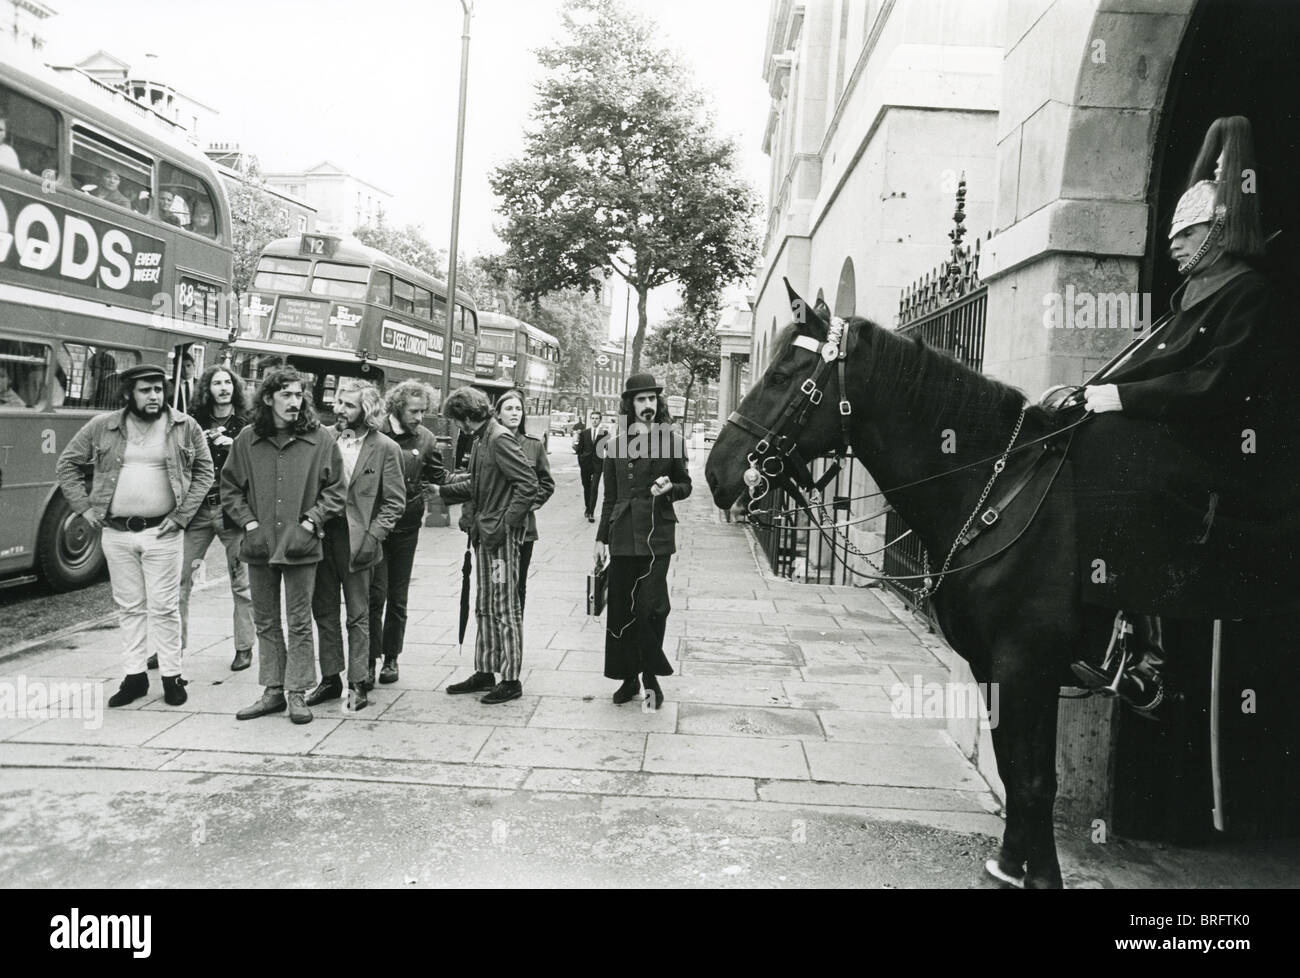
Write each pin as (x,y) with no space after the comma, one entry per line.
(601,750)
(738,756)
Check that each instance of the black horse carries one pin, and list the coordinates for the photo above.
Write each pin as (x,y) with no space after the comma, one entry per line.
(915,415)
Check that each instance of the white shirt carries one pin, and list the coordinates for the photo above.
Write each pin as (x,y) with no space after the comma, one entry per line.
(350,448)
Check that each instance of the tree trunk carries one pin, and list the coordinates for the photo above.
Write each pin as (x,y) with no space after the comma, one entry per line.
(686,404)
(638,341)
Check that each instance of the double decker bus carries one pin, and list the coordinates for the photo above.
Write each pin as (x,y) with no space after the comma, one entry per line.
(333,307)
(513,353)
(114,251)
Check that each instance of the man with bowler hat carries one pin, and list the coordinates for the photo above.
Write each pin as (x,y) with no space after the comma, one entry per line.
(644,472)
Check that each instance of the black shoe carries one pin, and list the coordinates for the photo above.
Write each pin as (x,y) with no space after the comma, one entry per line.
(330,688)
(357,699)
(505,691)
(652,689)
(1141,687)
(388,674)
(243,659)
(133,687)
(476,683)
(590,518)
(627,691)
(367,684)
(153,662)
(174,690)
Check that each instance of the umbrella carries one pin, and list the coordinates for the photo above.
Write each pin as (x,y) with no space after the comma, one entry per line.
(464,593)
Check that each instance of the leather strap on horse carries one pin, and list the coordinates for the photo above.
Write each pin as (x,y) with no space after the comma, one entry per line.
(993,513)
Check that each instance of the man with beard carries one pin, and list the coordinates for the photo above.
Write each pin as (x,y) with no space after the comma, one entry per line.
(372,471)
(282,483)
(422,468)
(644,472)
(148,470)
(221,409)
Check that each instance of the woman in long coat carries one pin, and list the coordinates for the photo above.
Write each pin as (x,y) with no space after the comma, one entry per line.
(510,412)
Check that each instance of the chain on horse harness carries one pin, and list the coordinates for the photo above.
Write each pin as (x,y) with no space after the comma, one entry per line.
(777,448)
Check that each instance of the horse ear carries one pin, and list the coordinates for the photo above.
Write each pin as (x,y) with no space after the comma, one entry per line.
(807,316)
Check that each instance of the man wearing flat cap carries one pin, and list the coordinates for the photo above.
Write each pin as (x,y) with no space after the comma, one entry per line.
(644,472)
(140,474)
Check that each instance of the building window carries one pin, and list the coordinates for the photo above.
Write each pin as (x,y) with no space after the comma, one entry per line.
(302,222)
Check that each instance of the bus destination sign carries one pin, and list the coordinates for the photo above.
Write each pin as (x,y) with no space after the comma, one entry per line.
(300,321)
(318,245)
(40,237)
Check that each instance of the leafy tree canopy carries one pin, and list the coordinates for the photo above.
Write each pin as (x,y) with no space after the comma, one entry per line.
(406,244)
(256,220)
(688,342)
(622,172)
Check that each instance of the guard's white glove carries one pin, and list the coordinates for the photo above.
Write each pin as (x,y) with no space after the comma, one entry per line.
(1102,398)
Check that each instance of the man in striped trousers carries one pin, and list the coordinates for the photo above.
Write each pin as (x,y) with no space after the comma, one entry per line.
(498,496)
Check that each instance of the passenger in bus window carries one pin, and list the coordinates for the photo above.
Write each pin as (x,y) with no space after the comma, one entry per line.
(8,155)
(109,189)
(8,396)
(167,207)
(204,223)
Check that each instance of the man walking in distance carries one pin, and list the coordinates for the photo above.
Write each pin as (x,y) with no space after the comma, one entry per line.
(148,471)
(499,494)
(421,468)
(221,409)
(372,471)
(644,473)
(282,483)
(589,464)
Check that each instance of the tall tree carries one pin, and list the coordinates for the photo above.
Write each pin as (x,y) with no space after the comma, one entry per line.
(622,172)
(406,244)
(688,341)
(255,221)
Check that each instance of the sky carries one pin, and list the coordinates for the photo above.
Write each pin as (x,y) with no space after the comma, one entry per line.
(372,86)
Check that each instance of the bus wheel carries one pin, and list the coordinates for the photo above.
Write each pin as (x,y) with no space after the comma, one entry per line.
(68,551)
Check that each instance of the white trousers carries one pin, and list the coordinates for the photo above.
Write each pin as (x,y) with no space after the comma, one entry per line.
(145,571)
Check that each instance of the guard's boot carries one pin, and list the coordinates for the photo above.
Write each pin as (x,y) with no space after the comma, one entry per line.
(1141,683)
(174,691)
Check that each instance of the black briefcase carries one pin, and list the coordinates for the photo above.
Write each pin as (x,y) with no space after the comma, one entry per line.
(597,587)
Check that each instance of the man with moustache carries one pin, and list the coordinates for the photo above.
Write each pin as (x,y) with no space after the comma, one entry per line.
(282,484)
(221,409)
(644,472)
(372,471)
(422,468)
(141,474)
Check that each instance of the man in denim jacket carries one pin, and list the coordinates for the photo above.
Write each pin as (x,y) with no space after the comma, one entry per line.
(148,469)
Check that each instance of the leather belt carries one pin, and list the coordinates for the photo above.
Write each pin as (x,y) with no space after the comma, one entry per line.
(134,524)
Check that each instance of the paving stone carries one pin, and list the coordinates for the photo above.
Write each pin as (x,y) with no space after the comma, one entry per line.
(893,764)
(12,726)
(273,734)
(128,728)
(640,783)
(882,728)
(748,721)
(539,747)
(583,662)
(745,757)
(398,740)
(694,668)
(859,675)
(557,682)
(437,706)
(739,690)
(740,651)
(602,714)
(829,633)
(698,602)
(837,696)
(83,756)
(758,632)
(85,665)
(876,796)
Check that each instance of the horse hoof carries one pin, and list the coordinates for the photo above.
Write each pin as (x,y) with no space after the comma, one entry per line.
(1004,875)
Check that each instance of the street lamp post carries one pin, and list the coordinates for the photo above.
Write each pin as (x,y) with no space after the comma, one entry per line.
(468,7)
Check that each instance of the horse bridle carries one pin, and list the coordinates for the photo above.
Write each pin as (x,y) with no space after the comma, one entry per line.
(777,445)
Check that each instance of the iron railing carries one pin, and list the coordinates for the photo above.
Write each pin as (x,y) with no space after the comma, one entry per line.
(795,549)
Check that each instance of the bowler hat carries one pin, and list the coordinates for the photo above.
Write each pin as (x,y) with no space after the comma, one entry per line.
(641,382)
(141,371)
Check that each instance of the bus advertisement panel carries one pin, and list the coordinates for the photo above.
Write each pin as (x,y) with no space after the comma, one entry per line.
(114,251)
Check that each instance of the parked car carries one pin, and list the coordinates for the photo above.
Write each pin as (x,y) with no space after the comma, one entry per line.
(562,423)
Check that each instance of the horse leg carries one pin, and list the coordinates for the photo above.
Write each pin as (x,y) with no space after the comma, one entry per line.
(1024,742)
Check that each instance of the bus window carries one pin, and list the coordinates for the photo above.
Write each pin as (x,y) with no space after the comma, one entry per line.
(423,303)
(403,296)
(281,274)
(90,375)
(110,171)
(339,281)
(191,200)
(381,289)
(23,367)
(253,367)
(439,313)
(29,134)
(470,319)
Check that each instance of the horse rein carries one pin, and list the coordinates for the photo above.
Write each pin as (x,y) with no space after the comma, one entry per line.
(765,467)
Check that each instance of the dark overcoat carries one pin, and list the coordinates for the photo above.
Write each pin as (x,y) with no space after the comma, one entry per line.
(625,518)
